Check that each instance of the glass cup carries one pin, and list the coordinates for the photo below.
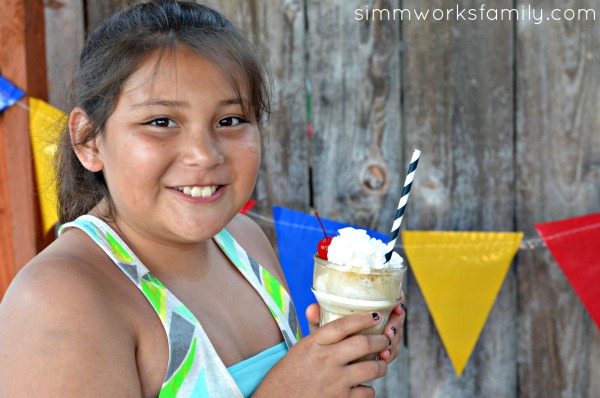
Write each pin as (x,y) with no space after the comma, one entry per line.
(342,290)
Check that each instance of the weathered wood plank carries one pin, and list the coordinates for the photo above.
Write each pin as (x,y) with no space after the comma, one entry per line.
(458,92)
(558,175)
(65,30)
(357,145)
(98,10)
(357,152)
(21,43)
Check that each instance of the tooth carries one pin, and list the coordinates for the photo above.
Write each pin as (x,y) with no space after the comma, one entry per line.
(196,192)
(206,191)
(187,190)
(213,189)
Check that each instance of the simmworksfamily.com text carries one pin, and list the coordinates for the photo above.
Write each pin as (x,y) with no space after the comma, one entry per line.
(483,13)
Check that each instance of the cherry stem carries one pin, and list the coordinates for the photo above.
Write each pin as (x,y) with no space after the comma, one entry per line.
(322,227)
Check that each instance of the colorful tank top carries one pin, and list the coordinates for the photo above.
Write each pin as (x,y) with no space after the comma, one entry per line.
(194,368)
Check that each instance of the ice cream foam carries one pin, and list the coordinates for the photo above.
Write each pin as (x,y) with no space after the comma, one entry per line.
(355,248)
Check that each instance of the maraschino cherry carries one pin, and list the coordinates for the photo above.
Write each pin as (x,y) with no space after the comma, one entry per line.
(323,245)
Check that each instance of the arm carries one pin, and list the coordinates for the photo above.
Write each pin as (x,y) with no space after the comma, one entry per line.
(58,336)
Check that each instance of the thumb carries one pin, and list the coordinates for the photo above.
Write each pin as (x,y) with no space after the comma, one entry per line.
(312,316)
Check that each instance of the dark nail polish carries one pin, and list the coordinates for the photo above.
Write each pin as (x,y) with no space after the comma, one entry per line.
(375,316)
(403,306)
(394,330)
(389,342)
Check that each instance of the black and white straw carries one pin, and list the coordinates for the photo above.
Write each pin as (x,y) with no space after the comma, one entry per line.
(402,204)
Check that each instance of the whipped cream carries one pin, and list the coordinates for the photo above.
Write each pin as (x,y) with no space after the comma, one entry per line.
(355,248)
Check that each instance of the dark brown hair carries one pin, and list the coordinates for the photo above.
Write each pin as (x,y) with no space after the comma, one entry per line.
(116,49)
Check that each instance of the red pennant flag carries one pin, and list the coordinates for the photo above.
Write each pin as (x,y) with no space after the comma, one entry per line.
(248,206)
(574,245)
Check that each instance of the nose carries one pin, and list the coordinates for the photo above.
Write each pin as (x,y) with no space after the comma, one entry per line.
(201,148)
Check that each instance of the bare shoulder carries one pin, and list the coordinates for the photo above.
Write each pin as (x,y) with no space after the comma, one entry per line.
(54,317)
(253,239)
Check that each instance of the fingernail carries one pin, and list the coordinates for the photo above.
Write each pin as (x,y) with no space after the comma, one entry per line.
(389,342)
(403,306)
(375,316)
(394,330)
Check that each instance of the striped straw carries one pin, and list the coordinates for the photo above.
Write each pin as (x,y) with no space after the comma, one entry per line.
(402,205)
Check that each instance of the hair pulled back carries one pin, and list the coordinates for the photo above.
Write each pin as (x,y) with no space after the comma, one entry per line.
(116,49)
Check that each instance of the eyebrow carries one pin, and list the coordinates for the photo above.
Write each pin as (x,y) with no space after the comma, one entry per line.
(182,104)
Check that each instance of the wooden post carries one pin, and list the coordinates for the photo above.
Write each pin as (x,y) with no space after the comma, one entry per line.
(22,61)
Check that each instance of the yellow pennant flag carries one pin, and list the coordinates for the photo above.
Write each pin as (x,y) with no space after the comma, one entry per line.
(460,275)
(45,124)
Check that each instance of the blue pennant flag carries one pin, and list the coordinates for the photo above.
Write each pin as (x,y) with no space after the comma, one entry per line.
(9,94)
(297,237)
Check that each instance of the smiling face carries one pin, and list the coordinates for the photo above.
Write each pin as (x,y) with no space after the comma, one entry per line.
(179,155)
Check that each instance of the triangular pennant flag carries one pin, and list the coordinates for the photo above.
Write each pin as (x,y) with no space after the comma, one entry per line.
(45,123)
(574,245)
(297,237)
(9,93)
(248,206)
(460,275)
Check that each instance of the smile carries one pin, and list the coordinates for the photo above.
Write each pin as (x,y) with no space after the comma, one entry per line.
(198,192)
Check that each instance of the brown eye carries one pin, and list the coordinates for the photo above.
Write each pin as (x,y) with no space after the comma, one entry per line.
(162,122)
(230,121)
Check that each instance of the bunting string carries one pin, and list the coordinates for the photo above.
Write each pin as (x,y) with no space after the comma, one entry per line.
(526,244)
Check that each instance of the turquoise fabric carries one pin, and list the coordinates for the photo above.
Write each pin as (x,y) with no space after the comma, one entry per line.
(249,373)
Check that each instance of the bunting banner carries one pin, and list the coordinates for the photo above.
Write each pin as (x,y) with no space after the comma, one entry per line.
(9,94)
(460,275)
(45,124)
(574,245)
(248,206)
(297,237)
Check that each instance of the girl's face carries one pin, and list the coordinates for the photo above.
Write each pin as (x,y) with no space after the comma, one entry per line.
(179,156)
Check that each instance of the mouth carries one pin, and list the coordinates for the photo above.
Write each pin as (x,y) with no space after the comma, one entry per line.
(198,191)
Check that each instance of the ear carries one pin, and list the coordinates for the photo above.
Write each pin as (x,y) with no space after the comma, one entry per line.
(87,151)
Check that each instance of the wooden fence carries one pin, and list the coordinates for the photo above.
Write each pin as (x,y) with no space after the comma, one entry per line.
(505,113)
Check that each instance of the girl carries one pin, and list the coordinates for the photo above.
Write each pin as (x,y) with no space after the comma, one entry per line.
(157,285)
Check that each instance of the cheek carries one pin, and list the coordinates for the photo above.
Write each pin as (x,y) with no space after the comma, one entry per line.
(251,150)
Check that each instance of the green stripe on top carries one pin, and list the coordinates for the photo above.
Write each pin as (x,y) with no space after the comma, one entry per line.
(275,290)
(118,250)
(171,387)
(157,297)
(229,247)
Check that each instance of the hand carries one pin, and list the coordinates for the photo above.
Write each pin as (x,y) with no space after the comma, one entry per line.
(317,366)
(392,330)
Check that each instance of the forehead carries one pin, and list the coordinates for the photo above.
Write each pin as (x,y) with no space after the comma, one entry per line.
(182,72)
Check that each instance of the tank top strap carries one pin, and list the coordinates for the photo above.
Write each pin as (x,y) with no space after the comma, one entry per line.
(270,289)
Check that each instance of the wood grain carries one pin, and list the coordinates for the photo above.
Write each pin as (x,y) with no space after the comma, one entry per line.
(558,176)
(21,43)
(357,152)
(458,93)
(65,30)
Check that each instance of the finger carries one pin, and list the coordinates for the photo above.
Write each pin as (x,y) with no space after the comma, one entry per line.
(401,307)
(362,392)
(359,345)
(339,329)
(312,314)
(362,372)
(394,331)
